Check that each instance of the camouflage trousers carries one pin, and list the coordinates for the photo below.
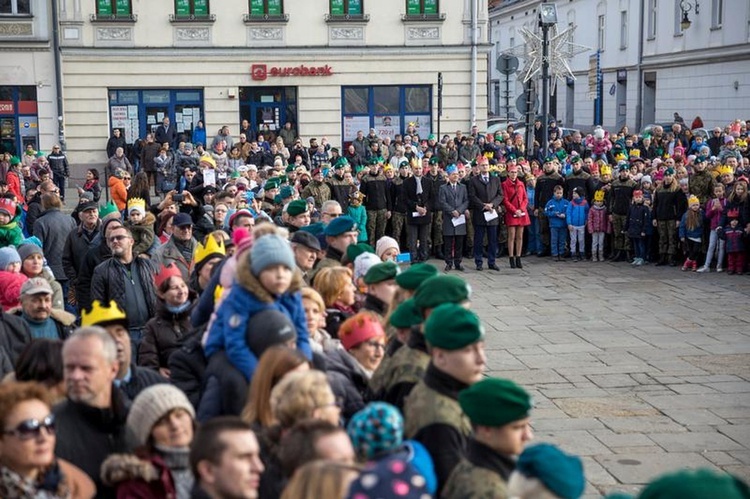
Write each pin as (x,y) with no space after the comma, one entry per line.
(620,241)
(398,222)
(376,221)
(667,237)
(436,231)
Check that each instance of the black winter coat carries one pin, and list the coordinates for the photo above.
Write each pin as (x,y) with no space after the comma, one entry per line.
(164,334)
(374,188)
(187,366)
(108,282)
(94,256)
(669,205)
(224,389)
(52,228)
(348,382)
(424,200)
(76,247)
(638,221)
(140,379)
(14,335)
(545,189)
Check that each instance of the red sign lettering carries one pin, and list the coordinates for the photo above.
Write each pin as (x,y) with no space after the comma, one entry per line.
(260,72)
(6,107)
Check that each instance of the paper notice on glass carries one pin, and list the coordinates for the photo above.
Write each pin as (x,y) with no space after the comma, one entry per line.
(151,119)
(133,112)
(489,216)
(459,220)
(180,127)
(160,117)
(178,117)
(188,111)
(209,177)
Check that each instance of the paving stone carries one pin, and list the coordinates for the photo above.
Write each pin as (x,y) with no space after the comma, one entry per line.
(694,442)
(738,433)
(720,458)
(693,417)
(730,386)
(643,424)
(527,377)
(565,423)
(641,468)
(612,380)
(613,440)
(689,389)
(595,473)
(582,441)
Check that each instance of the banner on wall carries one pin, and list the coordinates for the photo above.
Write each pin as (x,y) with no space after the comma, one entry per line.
(387,126)
(352,124)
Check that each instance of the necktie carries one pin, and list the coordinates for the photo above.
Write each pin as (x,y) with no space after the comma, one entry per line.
(485,179)
(454,187)
(419,185)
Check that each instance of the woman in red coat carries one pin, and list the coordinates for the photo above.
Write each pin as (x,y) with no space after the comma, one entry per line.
(516,214)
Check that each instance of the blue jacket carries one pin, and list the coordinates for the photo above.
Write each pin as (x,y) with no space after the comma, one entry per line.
(577,212)
(555,207)
(638,221)
(246,298)
(696,233)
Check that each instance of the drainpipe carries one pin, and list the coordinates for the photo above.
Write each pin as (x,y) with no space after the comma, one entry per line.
(58,73)
(474,43)
(639,103)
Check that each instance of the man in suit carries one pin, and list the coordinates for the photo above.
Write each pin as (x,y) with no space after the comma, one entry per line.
(453,200)
(419,193)
(485,197)
(166,133)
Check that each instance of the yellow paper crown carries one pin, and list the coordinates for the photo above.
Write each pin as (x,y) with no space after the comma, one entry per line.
(635,153)
(725,170)
(621,157)
(100,314)
(599,195)
(137,203)
(605,170)
(693,200)
(212,247)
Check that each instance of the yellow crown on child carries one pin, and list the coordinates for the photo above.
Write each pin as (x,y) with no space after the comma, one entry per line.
(137,204)
(101,314)
(212,247)
(725,170)
(635,153)
(693,200)
(605,170)
(599,195)
(621,157)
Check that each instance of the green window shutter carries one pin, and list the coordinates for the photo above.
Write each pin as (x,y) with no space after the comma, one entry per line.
(430,6)
(413,7)
(256,8)
(104,7)
(182,8)
(275,7)
(123,7)
(201,8)
(355,7)
(337,7)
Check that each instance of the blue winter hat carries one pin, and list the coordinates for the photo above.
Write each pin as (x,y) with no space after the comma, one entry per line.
(8,255)
(561,473)
(451,169)
(376,429)
(268,251)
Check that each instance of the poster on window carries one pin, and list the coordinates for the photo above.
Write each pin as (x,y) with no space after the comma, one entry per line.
(388,125)
(337,7)
(119,116)
(201,8)
(182,8)
(422,124)
(104,7)
(123,7)
(353,124)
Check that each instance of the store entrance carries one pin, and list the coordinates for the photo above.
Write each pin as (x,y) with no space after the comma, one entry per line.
(268,109)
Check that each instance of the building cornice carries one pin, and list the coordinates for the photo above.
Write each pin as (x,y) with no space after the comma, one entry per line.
(728,53)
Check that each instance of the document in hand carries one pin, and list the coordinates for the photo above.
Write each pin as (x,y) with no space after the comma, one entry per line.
(489,216)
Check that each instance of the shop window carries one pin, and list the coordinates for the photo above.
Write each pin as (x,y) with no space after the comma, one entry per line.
(188,10)
(356,100)
(267,9)
(114,8)
(15,7)
(386,100)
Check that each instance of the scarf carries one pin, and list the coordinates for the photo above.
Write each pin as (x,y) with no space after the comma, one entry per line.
(177,309)
(49,484)
(178,461)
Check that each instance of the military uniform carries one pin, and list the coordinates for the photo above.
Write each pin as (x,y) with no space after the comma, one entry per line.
(397,207)
(436,230)
(318,190)
(403,371)
(332,259)
(482,474)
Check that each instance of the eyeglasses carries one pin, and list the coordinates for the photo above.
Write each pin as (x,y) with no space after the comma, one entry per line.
(185,227)
(332,215)
(375,344)
(32,428)
(126,178)
(117,239)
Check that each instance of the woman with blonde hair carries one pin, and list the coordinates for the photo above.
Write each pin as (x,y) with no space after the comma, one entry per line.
(320,340)
(319,479)
(339,294)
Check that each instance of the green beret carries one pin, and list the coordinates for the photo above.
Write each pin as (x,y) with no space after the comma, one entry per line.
(669,171)
(550,159)
(561,155)
(406,315)
(403,163)
(700,159)
(315,229)
(277,199)
(354,250)
(561,473)
(39,154)
(289,168)
(286,192)
(373,161)
(108,209)
(510,157)
(412,277)
(359,168)
(283,179)
(441,289)
(14,160)
(575,159)
(296,207)
(381,272)
(340,225)
(272,183)
(494,402)
(434,160)
(451,327)
(697,484)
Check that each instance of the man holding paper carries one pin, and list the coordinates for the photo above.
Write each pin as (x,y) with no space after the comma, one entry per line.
(419,195)
(453,200)
(485,197)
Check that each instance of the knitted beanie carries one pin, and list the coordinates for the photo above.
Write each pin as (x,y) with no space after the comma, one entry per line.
(151,405)
(26,250)
(271,250)
(376,429)
(363,263)
(10,292)
(8,255)
(384,244)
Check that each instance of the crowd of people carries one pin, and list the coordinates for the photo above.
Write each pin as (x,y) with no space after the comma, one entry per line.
(246,324)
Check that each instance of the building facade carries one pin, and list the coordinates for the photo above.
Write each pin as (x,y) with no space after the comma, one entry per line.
(329,67)
(651,64)
(28,97)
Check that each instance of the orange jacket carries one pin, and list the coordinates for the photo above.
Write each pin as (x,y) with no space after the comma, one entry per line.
(118,192)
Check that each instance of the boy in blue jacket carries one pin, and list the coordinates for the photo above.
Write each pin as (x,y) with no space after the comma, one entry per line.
(556,211)
(267,278)
(576,216)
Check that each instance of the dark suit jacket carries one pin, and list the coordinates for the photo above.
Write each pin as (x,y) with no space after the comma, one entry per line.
(413,200)
(169,135)
(448,201)
(480,194)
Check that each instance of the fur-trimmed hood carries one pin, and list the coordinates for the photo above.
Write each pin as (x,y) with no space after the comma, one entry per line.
(119,468)
(247,280)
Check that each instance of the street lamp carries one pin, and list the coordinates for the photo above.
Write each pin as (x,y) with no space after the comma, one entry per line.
(685,8)
(547,19)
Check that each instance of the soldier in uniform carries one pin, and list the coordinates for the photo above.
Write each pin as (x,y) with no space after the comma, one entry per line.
(317,189)
(339,233)
(408,365)
(398,201)
(499,413)
(338,185)
(270,190)
(436,230)
(619,198)
(433,416)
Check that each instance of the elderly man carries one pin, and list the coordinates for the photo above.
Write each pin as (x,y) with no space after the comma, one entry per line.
(80,240)
(180,248)
(37,312)
(305,247)
(90,423)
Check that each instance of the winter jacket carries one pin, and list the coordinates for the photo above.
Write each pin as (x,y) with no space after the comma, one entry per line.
(577,212)
(86,435)
(701,184)
(669,204)
(76,246)
(11,234)
(164,334)
(108,282)
(619,196)
(734,239)
(52,228)
(223,390)
(143,234)
(545,188)
(695,233)
(118,192)
(638,221)
(14,335)
(93,257)
(359,214)
(348,382)
(135,477)
(581,180)
(60,472)
(59,164)
(121,163)
(713,214)
(187,366)
(374,187)
(169,254)
(33,210)
(10,289)
(140,379)
(246,298)
(555,207)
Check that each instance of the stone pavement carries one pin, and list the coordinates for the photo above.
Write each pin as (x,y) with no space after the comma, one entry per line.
(637,370)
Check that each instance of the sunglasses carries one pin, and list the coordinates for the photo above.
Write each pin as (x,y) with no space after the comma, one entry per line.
(126,178)
(117,239)
(32,428)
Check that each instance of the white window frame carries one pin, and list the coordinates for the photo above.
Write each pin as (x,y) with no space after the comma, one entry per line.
(717,14)
(652,18)
(623,29)
(14,9)
(601,33)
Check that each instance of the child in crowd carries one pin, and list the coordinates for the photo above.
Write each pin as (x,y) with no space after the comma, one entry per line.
(11,279)
(359,214)
(638,221)
(266,277)
(598,225)
(576,216)
(714,210)
(733,235)
(556,210)
(141,225)
(691,233)
(648,201)
(11,233)
(533,244)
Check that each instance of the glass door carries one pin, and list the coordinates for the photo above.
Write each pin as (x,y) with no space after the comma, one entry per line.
(8,135)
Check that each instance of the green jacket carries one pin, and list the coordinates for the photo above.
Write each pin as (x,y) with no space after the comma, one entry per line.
(482,474)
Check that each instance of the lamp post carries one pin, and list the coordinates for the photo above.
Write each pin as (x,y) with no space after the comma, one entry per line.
(547,19)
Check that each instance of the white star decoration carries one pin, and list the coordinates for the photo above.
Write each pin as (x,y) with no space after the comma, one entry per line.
(561,50)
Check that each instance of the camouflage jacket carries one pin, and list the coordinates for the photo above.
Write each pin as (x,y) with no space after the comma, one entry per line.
(482,474)
(401,373)
(426,406)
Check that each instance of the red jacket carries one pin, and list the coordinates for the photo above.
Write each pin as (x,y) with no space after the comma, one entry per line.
(142,478)
(514,199)
(14,185)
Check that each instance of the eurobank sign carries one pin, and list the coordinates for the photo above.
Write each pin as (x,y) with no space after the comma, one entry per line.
(260,72)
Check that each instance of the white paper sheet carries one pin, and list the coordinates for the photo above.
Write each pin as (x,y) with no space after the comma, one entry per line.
(489,216)
(459,220)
